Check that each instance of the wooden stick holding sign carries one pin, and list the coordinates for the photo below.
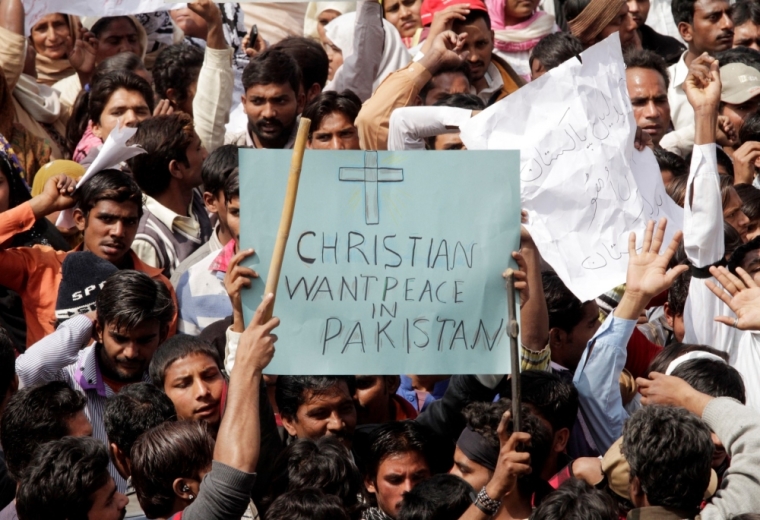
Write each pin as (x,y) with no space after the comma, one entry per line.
(513,330)
(288,208)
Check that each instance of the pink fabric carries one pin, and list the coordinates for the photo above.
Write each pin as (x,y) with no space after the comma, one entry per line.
(87,143)
(222,260)
(496,12)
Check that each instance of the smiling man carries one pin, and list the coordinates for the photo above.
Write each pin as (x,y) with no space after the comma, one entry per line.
(647,78)
(132,321)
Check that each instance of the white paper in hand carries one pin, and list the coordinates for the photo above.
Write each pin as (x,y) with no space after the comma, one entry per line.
(583,184)
(113,152)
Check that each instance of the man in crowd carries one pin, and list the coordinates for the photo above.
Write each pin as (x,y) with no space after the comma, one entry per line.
(647,79)
(332,118)
(746,17)
(666,46)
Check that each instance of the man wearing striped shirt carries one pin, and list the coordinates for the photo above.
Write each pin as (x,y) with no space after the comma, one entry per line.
(132,320)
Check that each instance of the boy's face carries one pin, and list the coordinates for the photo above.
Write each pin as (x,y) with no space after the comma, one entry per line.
(233,220)
(215,203)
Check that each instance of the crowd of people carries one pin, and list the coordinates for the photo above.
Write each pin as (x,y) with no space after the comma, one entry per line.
(131,386)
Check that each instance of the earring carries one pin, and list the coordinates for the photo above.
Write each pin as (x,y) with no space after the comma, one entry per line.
(185,489)
(191,497)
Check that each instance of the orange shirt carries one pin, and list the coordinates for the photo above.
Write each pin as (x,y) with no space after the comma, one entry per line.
(35,274)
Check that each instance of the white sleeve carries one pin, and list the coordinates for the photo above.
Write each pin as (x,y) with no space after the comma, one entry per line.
(703,209)
(230,349)
(213,97)
(409,126)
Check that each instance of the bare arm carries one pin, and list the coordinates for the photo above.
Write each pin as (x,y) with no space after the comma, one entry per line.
(534,316)
(12,16)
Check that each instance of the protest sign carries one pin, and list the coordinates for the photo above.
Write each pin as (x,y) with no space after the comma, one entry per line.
(583,184)
(394,262)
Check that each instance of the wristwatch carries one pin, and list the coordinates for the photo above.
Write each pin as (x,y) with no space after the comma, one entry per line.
(482,501)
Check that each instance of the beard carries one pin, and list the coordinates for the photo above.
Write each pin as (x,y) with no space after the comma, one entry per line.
(278,133)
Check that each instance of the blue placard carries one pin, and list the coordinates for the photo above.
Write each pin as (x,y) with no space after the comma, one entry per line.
(394,261)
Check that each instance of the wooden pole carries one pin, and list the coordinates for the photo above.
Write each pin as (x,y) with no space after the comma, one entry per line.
(287,211)
(513,329)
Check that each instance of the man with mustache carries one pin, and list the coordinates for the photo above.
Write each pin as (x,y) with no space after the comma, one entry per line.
(132,320)
(705,26)
(108,209)
(273,102)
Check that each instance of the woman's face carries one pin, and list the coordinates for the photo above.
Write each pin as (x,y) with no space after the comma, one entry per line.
(325,17)
(5,193)
(334,56)
(128,105)
(405,15)
(51,36)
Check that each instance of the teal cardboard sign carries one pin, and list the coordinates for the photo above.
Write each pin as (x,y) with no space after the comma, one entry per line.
(394,261)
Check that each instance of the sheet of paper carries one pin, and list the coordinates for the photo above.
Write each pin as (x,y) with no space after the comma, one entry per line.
(36,9)
(394,262)
(113,152)
(583,184)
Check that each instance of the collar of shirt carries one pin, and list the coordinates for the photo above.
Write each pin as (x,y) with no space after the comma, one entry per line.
(88,371)
(170,219)
(680,71)
(291,140)
(222,260)
(494,80)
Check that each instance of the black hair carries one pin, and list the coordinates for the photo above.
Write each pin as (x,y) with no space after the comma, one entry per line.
(34,416)
(177,347)
(656,440)
(272,67)
(461,100)
(291,391)
(565,310)
(552,397)
(171,450)
(7,363)
(573,8)
(164,139)
(441,497)
(447,68)
(668,161)
(232,186)
(555,49)
(575,499)
(325,464)
(177,66)
(112,185)
(737,256)
(750,130)
(683,11)
(134,410)
(732,240)
(123,63)
(711,377)
(395,438)
(102,91)
(723,160)
(745,11)
(311,58)
(306,504)
(678,293)
(129,298)
(750,200)
(644,59)
(676,190)
(484,418)
(217,167)
(346,102)
(674,350)
(61,479)
(474,16)
(103,24)
(743,55)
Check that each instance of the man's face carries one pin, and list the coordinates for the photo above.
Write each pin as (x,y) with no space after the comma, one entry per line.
(747,35)
(50,36)
(107,503)
(233,218)
(576,341)
(471,472)
(119,36)
(734,215)
(109,229)
(126,353)
(404,15)
(738,113)
(195,385)
(449,142)
(676,323)
(335,132)
(712,30)
(624,24)
(479,46)
(639,10)
(751,264)
(373,399)
(272,111)
(79,425)
(331,413)
(444,85)
(649,97)
(124,107)
(396,475)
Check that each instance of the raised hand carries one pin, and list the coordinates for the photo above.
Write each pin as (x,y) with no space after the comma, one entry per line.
(445,49)
(57,195)
(741,294)
(236,279)
(521,278)
(211,14)
(256,344)
(671,391)
(648,273)
(745,159)
(512,464)
(82,52)
(163,108)
(702,85)
(444,21)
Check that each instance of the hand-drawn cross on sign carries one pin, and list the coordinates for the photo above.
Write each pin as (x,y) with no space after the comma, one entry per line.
(370,175)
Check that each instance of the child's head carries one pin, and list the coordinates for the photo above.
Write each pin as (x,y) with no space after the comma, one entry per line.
(232,205)
(216,168)
(552,51)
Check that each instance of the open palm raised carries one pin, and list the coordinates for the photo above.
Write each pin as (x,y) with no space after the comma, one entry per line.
(741,294)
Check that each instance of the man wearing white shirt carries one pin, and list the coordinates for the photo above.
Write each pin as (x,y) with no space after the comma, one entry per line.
(705,26)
